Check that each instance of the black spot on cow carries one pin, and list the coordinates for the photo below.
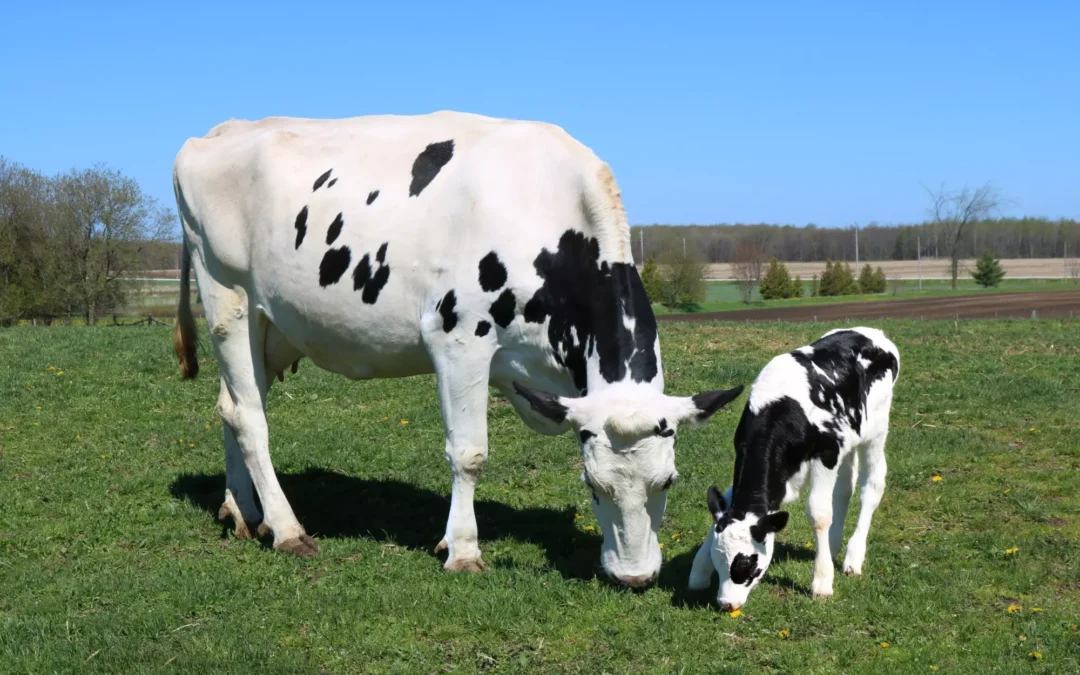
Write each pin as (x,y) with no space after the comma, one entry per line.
(492,272)
(482,328)
(502,310)
(428,163)
(331,183)
(335,229)
(371,196)
(663,430)
(744,569)
(446,309)
(586,301)
(301,226)
(585,435)
(371,282)
(333,265)
(320,180)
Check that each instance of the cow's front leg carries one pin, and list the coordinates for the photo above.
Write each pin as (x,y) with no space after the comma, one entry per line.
(462,369)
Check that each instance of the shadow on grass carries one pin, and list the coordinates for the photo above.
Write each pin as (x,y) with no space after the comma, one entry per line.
(332,505)
(676,572)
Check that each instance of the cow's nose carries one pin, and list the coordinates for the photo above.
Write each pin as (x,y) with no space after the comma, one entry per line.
(639,581)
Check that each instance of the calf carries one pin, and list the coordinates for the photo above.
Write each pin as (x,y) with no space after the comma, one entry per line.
(807,414)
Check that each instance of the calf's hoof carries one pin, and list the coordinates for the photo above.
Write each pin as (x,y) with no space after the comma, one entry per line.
(466,565)
(852,572)
(299,546)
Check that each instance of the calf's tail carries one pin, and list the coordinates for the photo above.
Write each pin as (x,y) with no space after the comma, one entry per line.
(184,336)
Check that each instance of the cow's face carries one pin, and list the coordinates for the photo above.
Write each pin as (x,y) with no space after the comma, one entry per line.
(628,447)
(741,548)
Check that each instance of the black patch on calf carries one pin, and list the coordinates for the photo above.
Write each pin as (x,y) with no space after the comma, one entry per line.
(744,569)
(320,180)
(663,430)
(502,310)
(331,183)
(333,265)
(492,272)
(428,163)
(585,435)
(371,196)
(301,226)
(482,328)
(334,229)
(446,309)
(371,283)
(589,298)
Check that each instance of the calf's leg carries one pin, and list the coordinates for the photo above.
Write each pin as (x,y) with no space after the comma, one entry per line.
(819,512)
(871,489)
(845,485)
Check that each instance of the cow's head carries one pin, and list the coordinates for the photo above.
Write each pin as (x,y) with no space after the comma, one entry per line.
(741,548)
(628,436)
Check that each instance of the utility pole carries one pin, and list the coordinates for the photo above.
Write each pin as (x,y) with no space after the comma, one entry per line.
(856,247)
(1065,261)
(684,247)
(918,256)
(641,245)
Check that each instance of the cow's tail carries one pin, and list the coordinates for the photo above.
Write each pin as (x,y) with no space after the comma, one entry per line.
(185,337)
(604,205)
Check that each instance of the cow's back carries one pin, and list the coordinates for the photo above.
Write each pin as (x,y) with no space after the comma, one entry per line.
(347,233)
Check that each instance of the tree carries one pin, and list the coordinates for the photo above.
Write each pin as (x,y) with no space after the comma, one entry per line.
(746,266)
(104,220)
(866,279)
(988,271)
(837,279)
(880,281)
(777,282)
(797,289)
(652,281)
(954,212)
(683,279)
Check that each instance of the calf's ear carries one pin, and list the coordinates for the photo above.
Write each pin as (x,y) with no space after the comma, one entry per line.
(772,523)
(717,504)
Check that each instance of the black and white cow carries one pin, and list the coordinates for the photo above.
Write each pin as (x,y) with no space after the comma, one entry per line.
(482,250)
(820,412)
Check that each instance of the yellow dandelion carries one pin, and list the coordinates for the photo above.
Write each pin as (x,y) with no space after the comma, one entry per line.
(51,369)
(27,387)
(1031,429)
(1035,655)
(675,536)
(809,544)
(785,634)
(181,441)
(37,407)
(884,645)
(78,436)
(1023,638)
(37,424)
(404,422)
(191,445)
(104,456)
(661,544)
(1014,608)
(590,528)
(578,516)
(736,613)
(1010,551)
(936,479)
(59,373)
(1008,490)
(1036,609)
(208,427)
(933,667)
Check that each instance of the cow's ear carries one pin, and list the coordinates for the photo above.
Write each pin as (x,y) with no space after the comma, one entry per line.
(548,405)
(699,408)
(717,503)
(770,524)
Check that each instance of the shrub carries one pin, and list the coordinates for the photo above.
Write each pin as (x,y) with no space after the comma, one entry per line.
(651,279)
(988,271)
(777,282)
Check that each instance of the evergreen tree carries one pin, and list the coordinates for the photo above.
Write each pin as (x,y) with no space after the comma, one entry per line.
(777,282)
(988,271)
(866,279)
(838,279)
(796,287)
(881,284)
(651,279)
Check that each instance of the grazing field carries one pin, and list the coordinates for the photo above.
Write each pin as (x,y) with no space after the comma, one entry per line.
(111,559)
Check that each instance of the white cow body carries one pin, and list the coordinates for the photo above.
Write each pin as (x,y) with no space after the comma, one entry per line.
(479,249)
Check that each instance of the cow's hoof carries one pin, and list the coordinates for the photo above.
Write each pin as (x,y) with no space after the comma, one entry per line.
(299,546)
(466,565)
(440,547)
(264,530)
(241,528)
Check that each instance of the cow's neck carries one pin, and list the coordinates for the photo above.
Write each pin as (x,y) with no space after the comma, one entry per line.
(601,330)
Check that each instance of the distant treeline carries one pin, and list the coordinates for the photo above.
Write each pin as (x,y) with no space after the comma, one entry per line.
(1006,237)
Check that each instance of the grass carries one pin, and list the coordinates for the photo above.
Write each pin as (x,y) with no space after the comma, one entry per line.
(111,559)
(723,296)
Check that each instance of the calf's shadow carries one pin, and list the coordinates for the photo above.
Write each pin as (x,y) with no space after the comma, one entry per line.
(333,505)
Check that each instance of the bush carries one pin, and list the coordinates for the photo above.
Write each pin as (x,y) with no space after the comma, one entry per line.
(837,279)
(777,283)
(881,283)
(683,283)
(798,289)
(988,271)
(651,279)
(871,281)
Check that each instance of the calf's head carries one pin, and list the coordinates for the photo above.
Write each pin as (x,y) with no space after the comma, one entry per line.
(628,435)
(741,548)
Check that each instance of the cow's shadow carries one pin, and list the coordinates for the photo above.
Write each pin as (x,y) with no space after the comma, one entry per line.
(335,505)
(676,572)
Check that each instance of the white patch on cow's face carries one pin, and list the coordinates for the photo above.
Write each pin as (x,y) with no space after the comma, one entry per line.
(740,560)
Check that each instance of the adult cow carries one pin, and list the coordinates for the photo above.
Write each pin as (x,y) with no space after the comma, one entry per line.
(482,250)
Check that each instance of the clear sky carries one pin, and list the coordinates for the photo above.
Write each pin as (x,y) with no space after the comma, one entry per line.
(708,112)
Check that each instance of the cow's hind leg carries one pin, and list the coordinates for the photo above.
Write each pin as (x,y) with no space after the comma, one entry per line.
(871,489)
(462,370)
(239,504)
(238,340)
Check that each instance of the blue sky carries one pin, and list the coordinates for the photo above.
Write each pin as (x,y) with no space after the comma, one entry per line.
(829,113)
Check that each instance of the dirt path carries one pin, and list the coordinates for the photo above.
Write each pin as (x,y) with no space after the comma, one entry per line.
(1047,304)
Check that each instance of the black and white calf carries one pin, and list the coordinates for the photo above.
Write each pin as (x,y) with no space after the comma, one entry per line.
(820,412)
